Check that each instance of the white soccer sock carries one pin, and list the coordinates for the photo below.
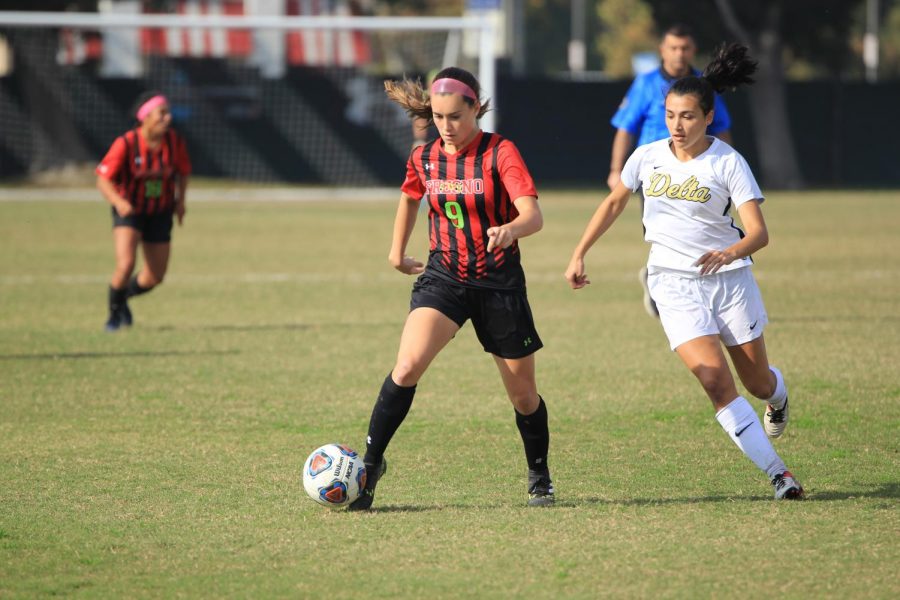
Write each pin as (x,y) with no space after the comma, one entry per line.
(781,393)
(740,422)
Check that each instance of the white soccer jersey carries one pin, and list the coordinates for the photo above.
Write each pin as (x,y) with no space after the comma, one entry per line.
(687,204)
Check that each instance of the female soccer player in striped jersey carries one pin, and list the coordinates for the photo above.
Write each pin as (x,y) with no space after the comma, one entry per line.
(699,260)
(144,177)
(481,200)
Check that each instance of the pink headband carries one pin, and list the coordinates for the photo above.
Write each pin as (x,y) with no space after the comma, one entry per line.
(452,86)
(149,105)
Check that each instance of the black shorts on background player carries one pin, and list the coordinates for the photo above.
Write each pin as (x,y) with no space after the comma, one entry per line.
(146,170)
(155,229)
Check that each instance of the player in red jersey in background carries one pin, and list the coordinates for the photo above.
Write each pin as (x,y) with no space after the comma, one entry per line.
(144,177)
(481,200)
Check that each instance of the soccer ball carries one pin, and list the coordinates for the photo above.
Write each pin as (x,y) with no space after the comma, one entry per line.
(334,475)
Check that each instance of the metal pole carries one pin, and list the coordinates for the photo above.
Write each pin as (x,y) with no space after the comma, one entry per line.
(577,48)
(487,73)
(870,41)
(514,11)
(104,21)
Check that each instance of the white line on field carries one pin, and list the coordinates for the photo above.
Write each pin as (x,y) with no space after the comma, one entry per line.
(78,279)
(198,278)
(387,275)
(200,194)
(310,278)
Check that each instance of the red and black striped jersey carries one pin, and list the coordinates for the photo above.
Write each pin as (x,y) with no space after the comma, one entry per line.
(467,193)
(145,177)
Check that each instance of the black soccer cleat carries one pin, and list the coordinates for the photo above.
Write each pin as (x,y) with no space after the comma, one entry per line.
(113,322)
(540,488)
(374,472)
(125,317)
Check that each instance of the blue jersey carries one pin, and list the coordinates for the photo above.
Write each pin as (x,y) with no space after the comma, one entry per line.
(643,110)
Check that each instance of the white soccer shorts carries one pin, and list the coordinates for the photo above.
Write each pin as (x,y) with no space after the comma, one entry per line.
(727,304)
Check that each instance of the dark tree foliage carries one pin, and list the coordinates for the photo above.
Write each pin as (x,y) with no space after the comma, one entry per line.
(813,30)
(423,7)
(547,34)
(816,31)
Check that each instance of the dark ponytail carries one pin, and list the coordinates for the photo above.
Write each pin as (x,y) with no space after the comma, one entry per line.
(415,98)
(730,68)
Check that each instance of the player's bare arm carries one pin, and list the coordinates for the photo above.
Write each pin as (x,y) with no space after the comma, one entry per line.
(404,222)
(621,148)
(529,221)
(756,237)
(180,200)
(106,187)
(605,215)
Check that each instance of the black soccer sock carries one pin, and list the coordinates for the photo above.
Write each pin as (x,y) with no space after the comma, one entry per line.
(535,436)
(135,289)
(390,409)
(116,298)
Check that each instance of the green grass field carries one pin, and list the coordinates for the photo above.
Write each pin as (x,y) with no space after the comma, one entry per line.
(165,461)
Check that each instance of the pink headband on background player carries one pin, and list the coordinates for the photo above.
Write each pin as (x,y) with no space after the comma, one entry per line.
(452,86)
(148,106)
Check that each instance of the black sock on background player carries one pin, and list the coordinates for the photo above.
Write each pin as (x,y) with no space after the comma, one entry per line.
(390,409)
(535,436)
(135,289)
(116,299)
(119,314)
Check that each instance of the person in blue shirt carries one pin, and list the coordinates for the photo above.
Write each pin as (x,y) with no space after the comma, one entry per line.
(642,113)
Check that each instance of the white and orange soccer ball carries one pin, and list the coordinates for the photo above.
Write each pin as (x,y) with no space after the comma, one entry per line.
(334,475)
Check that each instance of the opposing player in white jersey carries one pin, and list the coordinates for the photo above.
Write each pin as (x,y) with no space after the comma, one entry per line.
(699,273)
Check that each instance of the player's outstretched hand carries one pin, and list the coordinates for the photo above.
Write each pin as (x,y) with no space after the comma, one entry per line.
(409,265)
(179,212)
(714,260)
(575,274)
(499,237)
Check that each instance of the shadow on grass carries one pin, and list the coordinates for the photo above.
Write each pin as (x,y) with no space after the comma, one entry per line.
(661,501)
(885,491)
(421,508)
(141,354)
(889,490)
(408,508)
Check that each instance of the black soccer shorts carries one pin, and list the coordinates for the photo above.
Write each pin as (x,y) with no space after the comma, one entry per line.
(502,318)
(155,229)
